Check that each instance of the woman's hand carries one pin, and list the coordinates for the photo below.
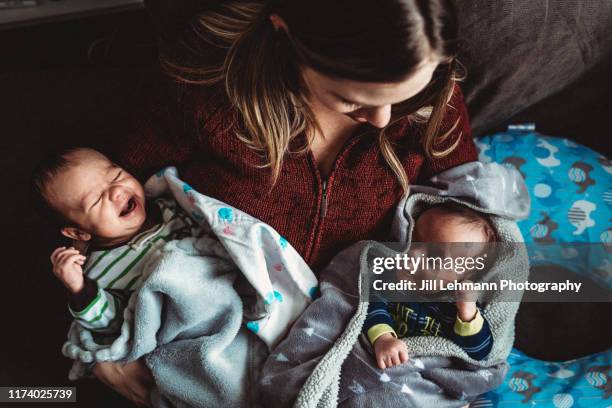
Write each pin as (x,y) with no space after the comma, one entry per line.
(132,380)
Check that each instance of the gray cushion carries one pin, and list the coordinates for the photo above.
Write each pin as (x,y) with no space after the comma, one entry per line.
(518,52)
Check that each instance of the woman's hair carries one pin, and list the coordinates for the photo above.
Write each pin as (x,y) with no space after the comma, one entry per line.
(362,40)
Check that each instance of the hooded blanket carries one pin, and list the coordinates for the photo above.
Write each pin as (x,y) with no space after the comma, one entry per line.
(325,362)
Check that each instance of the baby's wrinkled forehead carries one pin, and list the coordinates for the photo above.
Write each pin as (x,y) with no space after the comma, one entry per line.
(82,173)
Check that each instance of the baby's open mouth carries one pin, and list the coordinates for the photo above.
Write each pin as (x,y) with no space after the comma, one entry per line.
(128,208)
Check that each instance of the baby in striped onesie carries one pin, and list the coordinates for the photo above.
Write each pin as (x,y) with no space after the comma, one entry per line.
(96,203)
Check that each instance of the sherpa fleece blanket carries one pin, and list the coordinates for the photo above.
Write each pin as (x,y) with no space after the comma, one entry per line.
(325,362)
(186,317)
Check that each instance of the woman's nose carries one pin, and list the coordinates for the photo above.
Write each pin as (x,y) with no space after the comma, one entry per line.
(379,117)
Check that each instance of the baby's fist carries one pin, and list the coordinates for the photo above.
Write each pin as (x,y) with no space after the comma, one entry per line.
(466,304)
(390,351)
(67,267)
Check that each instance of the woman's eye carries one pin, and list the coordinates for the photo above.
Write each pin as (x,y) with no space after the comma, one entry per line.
(348,103)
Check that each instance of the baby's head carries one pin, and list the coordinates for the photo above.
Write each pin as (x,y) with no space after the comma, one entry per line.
(89,197)
(452,222)
(462,234)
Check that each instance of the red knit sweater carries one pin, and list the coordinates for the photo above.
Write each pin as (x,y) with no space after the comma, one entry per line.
(193,129)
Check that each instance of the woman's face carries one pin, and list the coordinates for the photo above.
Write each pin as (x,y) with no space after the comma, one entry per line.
(364,101)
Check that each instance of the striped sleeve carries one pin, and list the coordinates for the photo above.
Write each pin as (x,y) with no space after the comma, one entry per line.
(473,337)
(378,320)
(102,313)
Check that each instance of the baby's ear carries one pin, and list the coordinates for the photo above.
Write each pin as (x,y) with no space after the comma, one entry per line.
(76,234)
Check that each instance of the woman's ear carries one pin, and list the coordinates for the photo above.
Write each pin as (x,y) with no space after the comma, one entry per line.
(76,234)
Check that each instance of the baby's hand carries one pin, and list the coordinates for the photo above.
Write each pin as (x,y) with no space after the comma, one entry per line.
(67,268)
(390,351)
(466,305)
(466,311)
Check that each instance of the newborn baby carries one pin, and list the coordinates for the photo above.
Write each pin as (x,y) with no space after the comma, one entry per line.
(387,322)
(102,207)
(174,304)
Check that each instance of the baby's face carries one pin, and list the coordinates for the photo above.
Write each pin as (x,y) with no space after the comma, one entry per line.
(98,196)
(439,226)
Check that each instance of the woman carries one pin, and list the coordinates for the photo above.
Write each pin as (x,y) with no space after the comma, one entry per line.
(314,117)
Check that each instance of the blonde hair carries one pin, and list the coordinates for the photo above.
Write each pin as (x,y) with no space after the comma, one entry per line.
(233,42)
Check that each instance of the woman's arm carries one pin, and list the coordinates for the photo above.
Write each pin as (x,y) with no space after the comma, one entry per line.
(132,380)
(458,120)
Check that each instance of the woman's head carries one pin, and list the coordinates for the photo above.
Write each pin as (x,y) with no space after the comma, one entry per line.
(384,41)
(372,61)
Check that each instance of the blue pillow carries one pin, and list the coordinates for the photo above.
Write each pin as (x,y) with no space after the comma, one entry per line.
(581,383)
(571,197)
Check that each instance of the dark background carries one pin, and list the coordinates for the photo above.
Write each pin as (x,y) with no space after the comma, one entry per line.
(77,81)
(70,82)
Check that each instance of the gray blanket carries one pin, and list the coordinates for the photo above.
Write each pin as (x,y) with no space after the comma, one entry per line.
(186,321)
(185,318)
(322,363)
(200,322)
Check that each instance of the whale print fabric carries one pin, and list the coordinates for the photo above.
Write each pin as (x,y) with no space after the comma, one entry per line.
(571,198)
(581,383)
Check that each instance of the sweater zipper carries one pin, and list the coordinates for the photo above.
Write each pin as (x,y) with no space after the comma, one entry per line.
(319,219)
(324,200)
